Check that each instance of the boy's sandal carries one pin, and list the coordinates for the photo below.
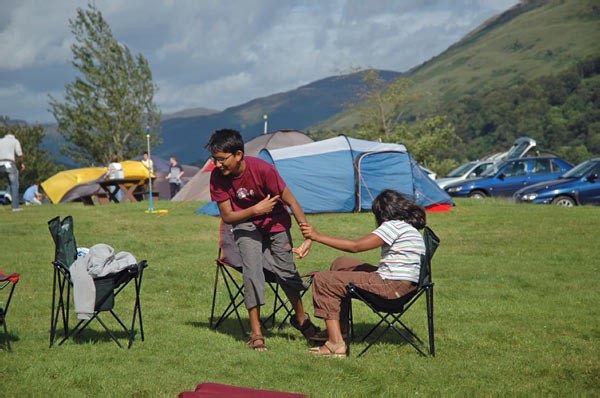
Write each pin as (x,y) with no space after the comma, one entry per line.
(308,328)
(332,348)
(253,342)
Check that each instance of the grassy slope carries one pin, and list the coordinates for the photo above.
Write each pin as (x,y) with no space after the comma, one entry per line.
(530,40)
(516,309)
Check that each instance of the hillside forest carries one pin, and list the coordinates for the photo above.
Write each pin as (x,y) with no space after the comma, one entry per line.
(560,111)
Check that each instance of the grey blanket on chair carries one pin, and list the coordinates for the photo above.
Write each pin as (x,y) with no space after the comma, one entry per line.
(100,261)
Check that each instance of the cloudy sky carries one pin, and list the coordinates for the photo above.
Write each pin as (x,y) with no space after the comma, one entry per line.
(217,54)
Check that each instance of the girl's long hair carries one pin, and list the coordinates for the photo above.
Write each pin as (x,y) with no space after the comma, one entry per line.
(391,205)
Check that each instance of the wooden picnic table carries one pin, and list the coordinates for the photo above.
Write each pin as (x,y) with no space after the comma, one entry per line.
(126,185)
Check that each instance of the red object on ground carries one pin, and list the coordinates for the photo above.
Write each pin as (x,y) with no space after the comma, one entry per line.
(14,278)
(439,208)
(224,390)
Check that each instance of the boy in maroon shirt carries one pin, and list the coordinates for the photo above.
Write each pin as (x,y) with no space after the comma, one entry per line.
(252,197)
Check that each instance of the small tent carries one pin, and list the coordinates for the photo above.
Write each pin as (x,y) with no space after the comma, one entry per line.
(198,188)
(344,174)
(161,170)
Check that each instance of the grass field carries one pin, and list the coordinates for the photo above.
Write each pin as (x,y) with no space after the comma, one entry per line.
(516,309)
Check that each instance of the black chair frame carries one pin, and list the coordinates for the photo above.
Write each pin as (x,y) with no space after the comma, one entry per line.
(235,289)
(4,282)
(113,285)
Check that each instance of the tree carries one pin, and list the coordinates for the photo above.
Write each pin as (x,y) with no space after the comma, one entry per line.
(106,110)
(39,163)
(382,105)
(386,113)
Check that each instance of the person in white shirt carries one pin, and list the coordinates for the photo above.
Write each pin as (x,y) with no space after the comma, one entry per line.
(9,147)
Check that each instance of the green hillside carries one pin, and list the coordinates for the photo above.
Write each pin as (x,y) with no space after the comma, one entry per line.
(533,39)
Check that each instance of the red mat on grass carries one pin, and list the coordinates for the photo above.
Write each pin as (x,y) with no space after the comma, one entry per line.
(223,390)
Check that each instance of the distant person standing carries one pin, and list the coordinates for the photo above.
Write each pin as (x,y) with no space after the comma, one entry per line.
(148,163)
(174,176)
(9,147)
(33,196)
(115,171)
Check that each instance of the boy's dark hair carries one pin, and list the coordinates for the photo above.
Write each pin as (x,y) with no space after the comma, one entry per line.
(225,140)
(391,205)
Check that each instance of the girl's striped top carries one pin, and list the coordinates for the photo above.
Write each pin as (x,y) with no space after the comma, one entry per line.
(401,253)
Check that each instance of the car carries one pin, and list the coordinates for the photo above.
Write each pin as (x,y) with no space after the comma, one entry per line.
(431,174)
(465,171)
(508,176)
(578,186)
(4,197)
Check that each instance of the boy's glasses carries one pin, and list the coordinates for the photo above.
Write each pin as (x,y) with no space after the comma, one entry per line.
(221,160)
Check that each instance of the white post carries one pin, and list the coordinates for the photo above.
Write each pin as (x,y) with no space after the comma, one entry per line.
(265,117)
(149,169)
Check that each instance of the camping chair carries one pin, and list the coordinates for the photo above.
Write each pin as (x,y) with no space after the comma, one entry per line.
(390,310)
(229,259)
(5,280)
(107,287)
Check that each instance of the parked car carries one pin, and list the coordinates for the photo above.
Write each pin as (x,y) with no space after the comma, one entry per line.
(431,174)
(578,186)
(508,176)
(4,197)
(465,171)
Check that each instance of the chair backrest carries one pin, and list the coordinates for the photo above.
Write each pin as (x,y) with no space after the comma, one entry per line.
(431,244)
(229,253)
(64,240)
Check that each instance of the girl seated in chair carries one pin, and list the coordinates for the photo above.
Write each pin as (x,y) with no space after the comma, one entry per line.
(398,221)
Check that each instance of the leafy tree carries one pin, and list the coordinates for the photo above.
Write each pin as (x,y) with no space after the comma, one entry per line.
(39,163)
(106,110)
(385,112)
(381,105)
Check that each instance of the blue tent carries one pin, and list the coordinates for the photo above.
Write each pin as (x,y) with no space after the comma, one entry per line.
(344,174)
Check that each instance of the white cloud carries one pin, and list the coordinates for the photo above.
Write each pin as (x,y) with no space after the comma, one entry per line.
(218,54)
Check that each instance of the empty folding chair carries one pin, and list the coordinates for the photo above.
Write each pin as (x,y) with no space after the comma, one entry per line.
(5,281)
(390,311)
(229,259)
(107,287)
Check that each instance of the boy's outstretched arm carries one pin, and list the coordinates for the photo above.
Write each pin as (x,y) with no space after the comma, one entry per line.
(289,199)
(231,217)
(365,243)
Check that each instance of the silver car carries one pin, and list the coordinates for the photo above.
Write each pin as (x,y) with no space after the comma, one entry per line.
(465,171)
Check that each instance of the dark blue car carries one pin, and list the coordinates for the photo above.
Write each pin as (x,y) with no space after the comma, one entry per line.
(508,176)
(578,186)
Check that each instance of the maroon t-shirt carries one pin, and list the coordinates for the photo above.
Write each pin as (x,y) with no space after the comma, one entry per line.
(256,182)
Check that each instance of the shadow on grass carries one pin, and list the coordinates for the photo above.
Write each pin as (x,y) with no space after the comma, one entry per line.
(231,327)
(11,338)
(89,335)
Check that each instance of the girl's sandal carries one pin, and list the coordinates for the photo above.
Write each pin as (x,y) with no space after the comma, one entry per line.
(331,348)
(253,342)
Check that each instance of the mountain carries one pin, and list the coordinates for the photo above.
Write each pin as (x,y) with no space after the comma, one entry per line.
(297,109)
(534,38)
(191,112)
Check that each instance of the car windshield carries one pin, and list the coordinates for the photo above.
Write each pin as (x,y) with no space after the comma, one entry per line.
(493,169)
(460,170)
(580,170)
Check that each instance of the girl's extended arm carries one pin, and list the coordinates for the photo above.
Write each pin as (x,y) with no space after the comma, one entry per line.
(289,199)
(365,243)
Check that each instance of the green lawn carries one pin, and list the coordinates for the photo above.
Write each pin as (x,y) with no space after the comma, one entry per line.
(516,309)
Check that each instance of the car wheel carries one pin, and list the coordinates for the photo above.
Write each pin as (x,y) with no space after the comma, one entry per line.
(477,194)
(563,201)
